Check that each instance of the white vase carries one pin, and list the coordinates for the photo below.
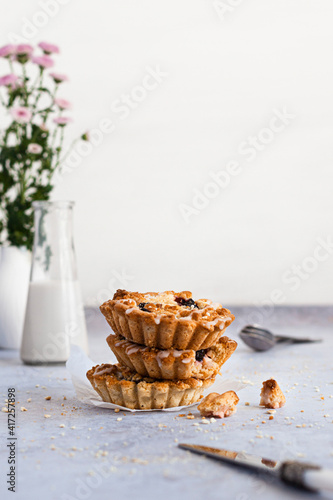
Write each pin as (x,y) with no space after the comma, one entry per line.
(14,282)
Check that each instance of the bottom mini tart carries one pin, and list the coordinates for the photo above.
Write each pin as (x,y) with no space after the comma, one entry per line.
(172,364)
(119,385)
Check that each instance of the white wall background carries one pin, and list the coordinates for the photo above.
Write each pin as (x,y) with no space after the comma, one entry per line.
(226,75)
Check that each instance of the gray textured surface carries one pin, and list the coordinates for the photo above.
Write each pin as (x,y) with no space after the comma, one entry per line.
(97,456)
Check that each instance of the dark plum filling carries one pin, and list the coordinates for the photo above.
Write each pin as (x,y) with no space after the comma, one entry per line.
(186,302)
(142,306)
(199,355)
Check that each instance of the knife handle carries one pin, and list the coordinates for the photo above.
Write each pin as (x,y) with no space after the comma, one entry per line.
(319,479)
(307,476)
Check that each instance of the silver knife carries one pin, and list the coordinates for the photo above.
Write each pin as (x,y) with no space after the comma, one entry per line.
(300,474)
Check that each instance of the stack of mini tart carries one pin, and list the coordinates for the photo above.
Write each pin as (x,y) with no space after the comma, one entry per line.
(169,347)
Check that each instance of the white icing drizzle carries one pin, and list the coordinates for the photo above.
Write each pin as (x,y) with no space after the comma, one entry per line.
(222,325)
(132,350)
(186,360)
(171,352)
(163,354)
(207,361)
(130,347)
(177,354)
(157,320)
(208,324)
(101,371)
(128,302)
(128,311)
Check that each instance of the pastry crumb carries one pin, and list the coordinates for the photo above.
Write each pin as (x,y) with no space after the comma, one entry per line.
(271,395)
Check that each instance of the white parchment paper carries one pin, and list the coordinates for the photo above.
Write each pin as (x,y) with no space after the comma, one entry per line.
(79,363)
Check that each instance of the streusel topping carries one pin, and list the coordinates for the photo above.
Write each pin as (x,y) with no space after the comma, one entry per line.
(179,304)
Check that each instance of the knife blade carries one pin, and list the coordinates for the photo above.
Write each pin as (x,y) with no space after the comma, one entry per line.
(303,475)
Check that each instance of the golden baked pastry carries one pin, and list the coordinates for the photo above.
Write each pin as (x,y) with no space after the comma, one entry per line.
(167,320)
(172,364)
(219,405)
(119,385)
(271,395)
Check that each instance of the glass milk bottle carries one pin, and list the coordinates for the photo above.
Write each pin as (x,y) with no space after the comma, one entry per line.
(54,317)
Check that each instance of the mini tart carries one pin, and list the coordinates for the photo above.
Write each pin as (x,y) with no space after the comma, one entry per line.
(172,364)
(167,320)
(119,385)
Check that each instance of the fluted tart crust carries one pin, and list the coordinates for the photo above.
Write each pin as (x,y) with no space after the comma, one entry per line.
(168,320)
(172,364)
(119,385)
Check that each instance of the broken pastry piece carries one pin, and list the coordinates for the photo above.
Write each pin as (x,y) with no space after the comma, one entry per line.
(219,405)
(271,395)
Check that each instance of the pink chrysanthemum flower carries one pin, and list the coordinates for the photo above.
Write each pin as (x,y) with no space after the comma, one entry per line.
(58,77)
(24,49)
(21,114)
(34,148)
(7,50)
(49,48)
(8,79)
(43,61)
(62,120)
(62,103)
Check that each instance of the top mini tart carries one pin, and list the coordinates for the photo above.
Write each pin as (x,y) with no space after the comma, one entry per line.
(167,320)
